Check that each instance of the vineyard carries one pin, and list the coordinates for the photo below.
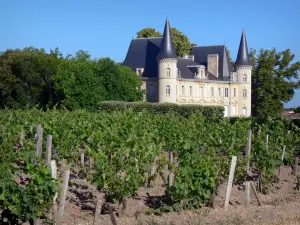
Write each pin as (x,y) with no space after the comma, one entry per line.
(121,151)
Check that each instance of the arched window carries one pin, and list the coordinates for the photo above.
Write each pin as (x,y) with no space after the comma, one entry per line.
(191,91)
(244,93)
(168,72)
(245,78)
(244,111)
(182,90)
(168,90)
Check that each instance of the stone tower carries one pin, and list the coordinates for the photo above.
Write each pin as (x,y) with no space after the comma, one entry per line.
(243,69)
(167,68)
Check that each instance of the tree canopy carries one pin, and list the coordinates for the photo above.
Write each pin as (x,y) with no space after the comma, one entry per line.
(182,43)
(31,77)
(275,77)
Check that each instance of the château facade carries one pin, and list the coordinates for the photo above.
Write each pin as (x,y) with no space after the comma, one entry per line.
(205,77)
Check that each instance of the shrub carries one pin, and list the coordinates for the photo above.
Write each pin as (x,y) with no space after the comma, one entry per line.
(214,112)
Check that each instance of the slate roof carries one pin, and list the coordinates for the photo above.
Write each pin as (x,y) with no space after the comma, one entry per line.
(142,53)
(167,49)
(200,53)
(243,54)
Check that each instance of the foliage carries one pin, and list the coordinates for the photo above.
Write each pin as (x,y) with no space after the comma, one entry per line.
(214,112)
(31,77)
(126,143)
(76,84)
(274,80)
(182,43)
(120,83)
(26,187)
(26,77)
(147,33)
(229,56)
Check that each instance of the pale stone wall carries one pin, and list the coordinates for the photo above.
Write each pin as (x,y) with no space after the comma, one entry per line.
(165,81)
(196,91)
(244,80)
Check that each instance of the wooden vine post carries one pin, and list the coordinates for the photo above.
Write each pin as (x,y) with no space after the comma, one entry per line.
(170,176)
(39,144)
(82,159)
(247,194)
(63,195)
(230,181)
(54,176)
(248,151)
(97,212)
(283,153)
(49,150)
(295,170)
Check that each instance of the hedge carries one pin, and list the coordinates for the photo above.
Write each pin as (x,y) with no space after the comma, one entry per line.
(161,108)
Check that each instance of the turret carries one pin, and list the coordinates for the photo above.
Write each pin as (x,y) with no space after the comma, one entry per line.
(167,67)
(243,69)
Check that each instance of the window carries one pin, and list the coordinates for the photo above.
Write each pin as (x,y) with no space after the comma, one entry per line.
(244,93)
(178,73)
(167,90)
(139,71)
(168,71)
(219,90)
(191,91)
(201,73)
(226,92)
(245,78)
(201,91)
(182,90)
(234,92)
(244,111)
(233,77)
(212,92)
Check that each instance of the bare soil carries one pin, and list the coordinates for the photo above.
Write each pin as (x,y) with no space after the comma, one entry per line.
(280,206)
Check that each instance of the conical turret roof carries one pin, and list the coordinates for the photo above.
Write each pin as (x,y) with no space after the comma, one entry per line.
(167,49)
(243,58)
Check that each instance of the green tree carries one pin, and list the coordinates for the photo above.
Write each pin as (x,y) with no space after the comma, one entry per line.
(120,82)
(229,56)
(26,77)
(274,81)
(182,43)
(148,32)
(77,85)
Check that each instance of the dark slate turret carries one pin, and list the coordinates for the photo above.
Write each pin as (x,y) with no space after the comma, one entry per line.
(243,58)
(167,49)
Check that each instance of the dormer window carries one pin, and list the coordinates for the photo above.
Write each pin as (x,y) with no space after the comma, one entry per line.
(168,72)
(178,73)
(139,71)
(201,73)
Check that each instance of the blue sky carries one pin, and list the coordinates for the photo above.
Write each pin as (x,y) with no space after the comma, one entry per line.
(105,28)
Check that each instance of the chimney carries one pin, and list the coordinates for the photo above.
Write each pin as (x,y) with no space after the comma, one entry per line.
(213,64)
